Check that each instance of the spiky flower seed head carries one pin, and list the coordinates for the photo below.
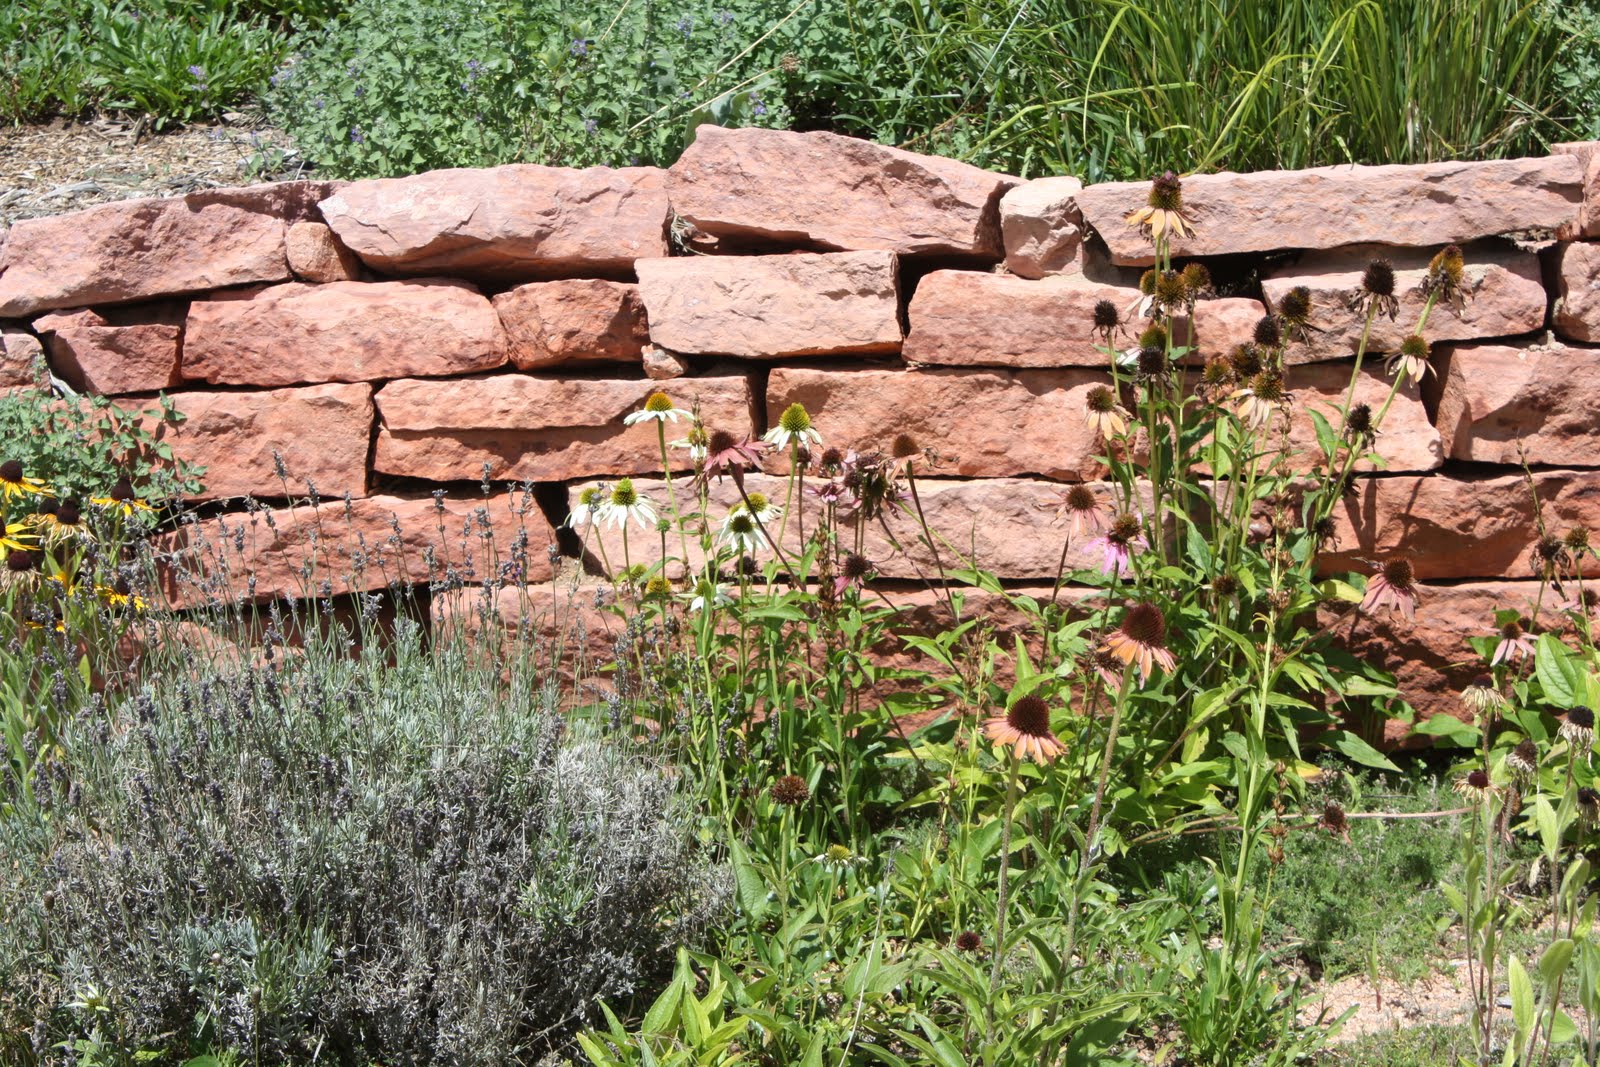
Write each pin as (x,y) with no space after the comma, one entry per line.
(1154,336)
(1268,385)
(69,513)
(1166,193)
(1378,278)
(1511,630)
(1524,759)
(658,402)
(1171,290)
(838,855)
(1145,624)
(11,471)
(905,446)
(657,588)
(1030,716)
(1581,717)
(1152,361)
(1358,421)
(1577,539)
(21,560)
(1147,282)
(1196,277)
(721,441)
(1550,549)
(741,523)
(122,492)
(1414,347)
(831,457)
(1217,372)
(623,495)
(1081,498)
(1225,585)
(1295,306)
(1324,529)
(1478,779)
(1268,332)
(1399,573)
(1101,400)
(855,566)
(759,502)
(969,942)
(1106,316)
(1447,266)
(795,419)
(1246,360)
(1124,528)
(790,791)
(1333,817)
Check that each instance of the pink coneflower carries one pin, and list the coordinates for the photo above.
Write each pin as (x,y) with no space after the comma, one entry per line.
(1081,507)
(853,571)
(730,454)
(1515,644)
(1107,667)
(1119,544)
(969,942)
(1141,640)
(1025,729)
(1583,603)
(1394,586)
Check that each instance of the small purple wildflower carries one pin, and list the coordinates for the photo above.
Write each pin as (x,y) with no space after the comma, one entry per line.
(360,91)
(356,136)
(319,103)
(591,127)
(725,17)
(198,72)
(685,27)
(580,47)
(757,105)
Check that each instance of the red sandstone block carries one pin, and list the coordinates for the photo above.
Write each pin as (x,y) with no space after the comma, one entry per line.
(139,249)
(123,350)
(1507,403)
(768,307)
(528,428)
(21,357)
(1577,308)
(341,331)
(1043,228)
(579,320)
(1407,441)
(365,545)
(317,256)
(321,432)
(515,223)
(1418,205)
(823,191)
(1587,224)
(1504,297)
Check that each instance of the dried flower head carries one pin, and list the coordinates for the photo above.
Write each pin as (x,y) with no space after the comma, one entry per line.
(1152,364)
(1268,331)
(969,942)
(1197,278)
(1550,556)
(1446,277)
(726,453)
(21,560)
(1245,360)
(1412,358)
(1103,414)
(1261,398)
(1171,293)
(1025,729)
(1523,760)
(1376,294)
(1334,820)
(1153,336)
(1225,585)
(1359,425)
(1481,694)
(1141,639)
(1163,211)
(1577,727)
(789,791)
(1294,308)
(1325,532)
(1107,320)
(1475,786)
(1394,587)
(1147,282)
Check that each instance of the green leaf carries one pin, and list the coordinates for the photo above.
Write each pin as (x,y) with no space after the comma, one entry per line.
(1553,964)
(1558,672)
(1521,996)
(1450,728)
(752,888)
(1355,748)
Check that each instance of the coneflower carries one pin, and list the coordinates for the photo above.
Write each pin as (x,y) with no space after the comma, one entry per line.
(1245,360)
(1294,308)
(1153,363)
(1107,320)
(1197,279)
(1025,729)
(14,482)
(1261,398)
(1171,294)
(1163,211)
(1216,378)
(1334,820)
(1514,644)
(1359,427)
(969,942)
(1523,761)
(1481,695)
(1102,413)
(794,426)
(1141,639)
(1394,586)
(1325,532)
(1118,545)
(1577,727)
(1475,786)
(1268,331)
(853,572)
(1081,507)
(1550,556)
(730,454)
(1446,277)
(789,791)
(1377,290)
(658,407)
(1589,804)
(1411,360)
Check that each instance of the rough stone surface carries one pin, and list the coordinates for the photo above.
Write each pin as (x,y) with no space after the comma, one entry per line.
(1429,655)
(766,307)
(540,429)
(1505,297)
(1407,440)
(322,432)
(21,357)
(981,423)
(341,331)
(1499,403)
(572,321)
(115,353)
(139,249)
(514,223)
(1325,207)
(774,188)
(1460,526)
(975,319)
(1042,227)
(1007,524)
(1587,224)
(1577,309)
(661,365)
(316,255)
(354,548)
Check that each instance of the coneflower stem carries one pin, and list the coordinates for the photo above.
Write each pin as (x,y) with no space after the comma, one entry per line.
(1004,889)
(672,500)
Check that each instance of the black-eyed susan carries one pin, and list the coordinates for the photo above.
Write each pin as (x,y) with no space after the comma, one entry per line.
(123,499)
(14,482)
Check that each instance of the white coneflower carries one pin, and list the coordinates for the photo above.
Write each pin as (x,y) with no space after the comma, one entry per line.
(1577,728)
(764,510)
(698,443)
(625,504)
(591,501)
(657,408)
(1412,358)
(708,594)
(739,532)
(1103,414)
(794,425)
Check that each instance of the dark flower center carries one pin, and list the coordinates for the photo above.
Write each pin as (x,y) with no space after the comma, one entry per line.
(1526,753)
(1246,360)
(122,491)
(1081,498)
(1105,315)
(1124,528)
(856,566)
(1166,193)
(721,441)
(1196,277)
(1225,585)
(1581,717)
(1268,332)
(832,457)
(1030,716)
(1295,307)
(1170,289)
(1359,419)
(1154,336)
(967,941)
(1400,574)
(1145,624)
(1511,631)
(1414,347)
(1378,278)
(1101,400)
(10,471)
(1483,681)
(790,791)
(1333,816)
(1152,361)
(69,513)
(20,560)
(904,446)
(1550,548)
(1478,779)
(1268,385)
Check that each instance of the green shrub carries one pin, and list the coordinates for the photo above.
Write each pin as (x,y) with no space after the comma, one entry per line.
(314,858)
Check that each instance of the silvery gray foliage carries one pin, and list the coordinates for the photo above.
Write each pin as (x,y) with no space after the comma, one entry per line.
(416,863)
